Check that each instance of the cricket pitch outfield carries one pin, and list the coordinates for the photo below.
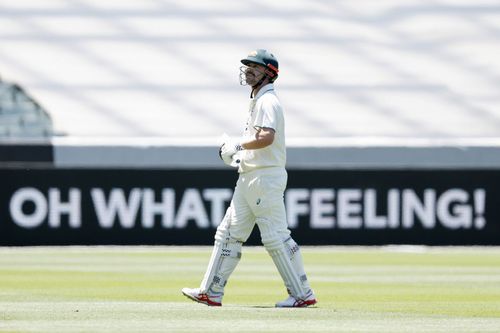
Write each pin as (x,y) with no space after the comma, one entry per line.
(359,289)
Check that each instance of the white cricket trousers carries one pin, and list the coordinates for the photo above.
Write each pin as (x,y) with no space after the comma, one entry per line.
(258,196)
(257,199)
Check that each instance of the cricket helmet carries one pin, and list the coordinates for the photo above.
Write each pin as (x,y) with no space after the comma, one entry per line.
(264,58)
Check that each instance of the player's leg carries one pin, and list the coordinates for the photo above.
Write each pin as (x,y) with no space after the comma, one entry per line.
(226,254)
(271,220)
(233,231)
(286,256)
(296,259)
(295,256)
(225,257)
(276,248)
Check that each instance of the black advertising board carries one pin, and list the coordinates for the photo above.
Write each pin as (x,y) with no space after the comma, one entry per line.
(180,207)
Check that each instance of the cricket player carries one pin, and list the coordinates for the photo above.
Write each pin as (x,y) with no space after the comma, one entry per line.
(260,157)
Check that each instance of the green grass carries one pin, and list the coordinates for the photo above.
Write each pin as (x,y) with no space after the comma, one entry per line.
(360,289)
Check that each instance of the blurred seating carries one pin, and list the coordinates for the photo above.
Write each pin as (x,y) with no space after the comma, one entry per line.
(20,115)
(357,68)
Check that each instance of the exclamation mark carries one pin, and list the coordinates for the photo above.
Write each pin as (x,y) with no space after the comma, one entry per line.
(479,208)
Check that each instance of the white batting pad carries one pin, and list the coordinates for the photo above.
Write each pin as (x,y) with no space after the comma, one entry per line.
(287,272)
(224,259)
(297,262)
(281,255)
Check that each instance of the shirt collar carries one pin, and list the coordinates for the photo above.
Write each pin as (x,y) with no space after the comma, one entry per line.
(264,89)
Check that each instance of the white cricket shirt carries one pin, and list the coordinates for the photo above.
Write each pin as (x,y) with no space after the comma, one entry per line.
(265,111)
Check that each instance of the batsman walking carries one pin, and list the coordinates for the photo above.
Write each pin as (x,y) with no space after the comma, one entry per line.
(260,156)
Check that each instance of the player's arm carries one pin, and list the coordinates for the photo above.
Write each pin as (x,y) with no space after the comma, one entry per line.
(263,138)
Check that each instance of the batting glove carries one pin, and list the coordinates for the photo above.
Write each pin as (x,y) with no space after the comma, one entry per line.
(228,152)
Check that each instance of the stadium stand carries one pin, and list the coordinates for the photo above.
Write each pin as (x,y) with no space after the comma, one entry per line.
(357,68)
(20,115)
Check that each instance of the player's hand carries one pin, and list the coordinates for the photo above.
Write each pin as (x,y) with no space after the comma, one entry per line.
(228,152)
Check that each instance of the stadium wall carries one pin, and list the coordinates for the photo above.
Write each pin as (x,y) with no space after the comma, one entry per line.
(139,191)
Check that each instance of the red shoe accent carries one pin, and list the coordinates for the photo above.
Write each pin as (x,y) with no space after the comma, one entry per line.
(302,303)
(203,298)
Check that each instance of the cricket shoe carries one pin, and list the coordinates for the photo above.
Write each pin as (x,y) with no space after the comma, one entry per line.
(292,302)
(195,295)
